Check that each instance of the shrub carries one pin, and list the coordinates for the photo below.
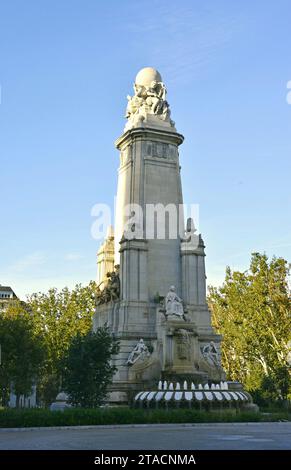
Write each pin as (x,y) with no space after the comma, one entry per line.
(105,416)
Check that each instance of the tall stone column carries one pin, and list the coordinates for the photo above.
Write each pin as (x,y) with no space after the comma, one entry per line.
(149,177)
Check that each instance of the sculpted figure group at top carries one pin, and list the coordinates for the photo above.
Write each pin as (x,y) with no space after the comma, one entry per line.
(148,100)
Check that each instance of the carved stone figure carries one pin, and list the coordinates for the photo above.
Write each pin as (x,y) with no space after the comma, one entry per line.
(210,353)
(173,304)
(156,98)
(136,101)
(148,99)
(111,291)
(140,351)
(114,286)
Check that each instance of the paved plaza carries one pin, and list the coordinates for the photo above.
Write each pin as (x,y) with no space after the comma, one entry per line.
(230,436)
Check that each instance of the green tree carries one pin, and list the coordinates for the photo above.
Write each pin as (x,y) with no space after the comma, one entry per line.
(87,367)
(252,312)
(59,316)
(22,352)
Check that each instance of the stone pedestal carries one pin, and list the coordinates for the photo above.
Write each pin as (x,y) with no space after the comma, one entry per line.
(179,346)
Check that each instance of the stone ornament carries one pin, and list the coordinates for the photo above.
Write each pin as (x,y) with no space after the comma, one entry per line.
(140,351)
(149,98)
(61,402)
(210,353)
(111,291)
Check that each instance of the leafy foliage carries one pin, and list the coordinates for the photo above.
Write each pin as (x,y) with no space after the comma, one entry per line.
(50,330)
(22,351)
(59,316)
(87,368)
(252,310)
(123,415)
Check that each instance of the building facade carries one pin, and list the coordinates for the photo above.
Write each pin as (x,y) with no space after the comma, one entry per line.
(7,295)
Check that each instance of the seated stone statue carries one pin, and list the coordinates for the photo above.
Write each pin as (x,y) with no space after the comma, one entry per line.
(173,304)
(139,351)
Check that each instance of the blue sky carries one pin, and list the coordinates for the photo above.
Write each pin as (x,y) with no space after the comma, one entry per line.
(65,70)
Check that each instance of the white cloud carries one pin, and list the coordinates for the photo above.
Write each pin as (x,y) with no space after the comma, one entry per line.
(37,258)
(73,256)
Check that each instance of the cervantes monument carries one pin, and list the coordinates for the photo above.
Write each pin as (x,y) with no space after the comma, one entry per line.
(151,274)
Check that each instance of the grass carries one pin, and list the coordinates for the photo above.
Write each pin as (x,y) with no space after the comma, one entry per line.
(10,418)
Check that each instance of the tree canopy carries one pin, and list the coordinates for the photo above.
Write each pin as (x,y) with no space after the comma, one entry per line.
(252,311)
(87,370)
(22,352)
(59,316)
(44,325)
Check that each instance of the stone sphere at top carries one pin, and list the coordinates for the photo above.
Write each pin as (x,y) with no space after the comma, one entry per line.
(147,75)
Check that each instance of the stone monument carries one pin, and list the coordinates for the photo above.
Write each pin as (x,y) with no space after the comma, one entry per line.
(154,296)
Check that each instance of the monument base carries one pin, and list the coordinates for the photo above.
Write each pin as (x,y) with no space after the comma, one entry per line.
(170,350)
